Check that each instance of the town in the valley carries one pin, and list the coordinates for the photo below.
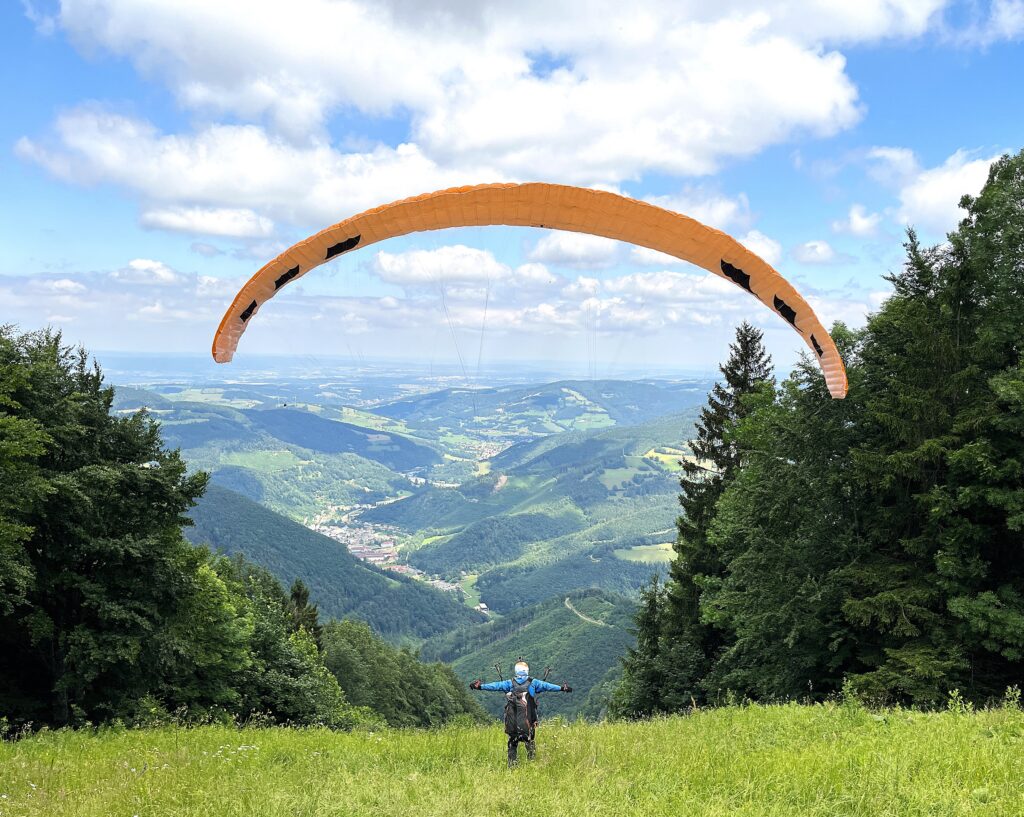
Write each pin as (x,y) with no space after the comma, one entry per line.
(377,544)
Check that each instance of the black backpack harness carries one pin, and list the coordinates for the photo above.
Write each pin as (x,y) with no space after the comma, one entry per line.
(520,710)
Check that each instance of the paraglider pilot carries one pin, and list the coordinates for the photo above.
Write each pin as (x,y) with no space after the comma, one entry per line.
(520,707)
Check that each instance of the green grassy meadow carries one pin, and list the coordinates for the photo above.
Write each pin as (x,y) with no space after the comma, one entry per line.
(263,460)
(648,554)
(764,761)
(470,594)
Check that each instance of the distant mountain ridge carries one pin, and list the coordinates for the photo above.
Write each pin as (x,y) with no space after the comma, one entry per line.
(619,402)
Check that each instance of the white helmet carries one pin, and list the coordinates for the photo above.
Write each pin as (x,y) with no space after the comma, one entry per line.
(521,669)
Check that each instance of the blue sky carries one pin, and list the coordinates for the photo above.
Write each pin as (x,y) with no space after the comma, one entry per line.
(155,153)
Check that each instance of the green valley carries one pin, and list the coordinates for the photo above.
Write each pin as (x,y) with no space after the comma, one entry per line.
(519,497)
(401,608)
(523,485)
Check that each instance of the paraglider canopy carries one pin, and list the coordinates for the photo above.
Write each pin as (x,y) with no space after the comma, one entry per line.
(552,206)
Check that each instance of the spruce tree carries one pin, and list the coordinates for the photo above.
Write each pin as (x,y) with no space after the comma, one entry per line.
(22,443)
(305,615)
(784,531)
(691,644)
(638,694)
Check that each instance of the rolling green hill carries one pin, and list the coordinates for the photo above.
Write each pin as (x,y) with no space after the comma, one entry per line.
(492,540)
(584,495)
(581,636)
(309,431)
(241,453)
(509,587)
(397,607)
(578,469)
(189,425)
(544,516)
(544,409)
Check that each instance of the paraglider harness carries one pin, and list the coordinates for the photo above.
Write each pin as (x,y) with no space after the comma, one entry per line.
(521,708)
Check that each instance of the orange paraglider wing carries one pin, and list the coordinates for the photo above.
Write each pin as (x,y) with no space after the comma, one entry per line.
(553,206)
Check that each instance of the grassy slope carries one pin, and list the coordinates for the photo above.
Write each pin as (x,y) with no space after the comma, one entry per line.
(757,762)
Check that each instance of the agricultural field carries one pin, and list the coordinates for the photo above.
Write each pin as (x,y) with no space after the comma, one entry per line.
(667,456)
(647,554)
(262,459)
(469,592)
(755,761)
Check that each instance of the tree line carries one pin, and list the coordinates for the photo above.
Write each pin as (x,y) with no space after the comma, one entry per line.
(107,612)
(875,542)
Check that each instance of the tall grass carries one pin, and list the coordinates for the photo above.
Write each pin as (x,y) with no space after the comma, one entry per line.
(772,760)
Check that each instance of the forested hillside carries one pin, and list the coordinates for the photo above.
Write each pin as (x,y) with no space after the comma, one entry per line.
(334,437)
(342,465)
(581,636)
(395,606)
(492,540)
(552,515)
(393,683)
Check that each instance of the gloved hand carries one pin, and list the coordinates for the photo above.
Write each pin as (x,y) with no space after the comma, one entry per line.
(474,684)
(566,688)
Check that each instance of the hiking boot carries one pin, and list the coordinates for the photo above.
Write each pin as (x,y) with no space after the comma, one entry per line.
(513,756)
(531,750)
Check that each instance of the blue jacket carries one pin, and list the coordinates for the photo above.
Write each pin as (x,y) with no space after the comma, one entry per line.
(537,686)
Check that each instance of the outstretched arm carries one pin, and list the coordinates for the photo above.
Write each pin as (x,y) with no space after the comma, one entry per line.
(544,686)
(494,686)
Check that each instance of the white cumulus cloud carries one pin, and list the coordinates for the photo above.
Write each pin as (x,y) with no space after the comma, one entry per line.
(59,286)
(444,265)
(582,288)
(652,258)
(766,247)
(815,252)
(234,222)
(237,166)
(669,87)
(147,271)
(998,21)
(930,199)
(713,209)
(859,222)
(577,250)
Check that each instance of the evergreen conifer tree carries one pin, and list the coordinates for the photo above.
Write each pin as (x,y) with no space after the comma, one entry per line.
(690,644)
(939,602)
(304,614)
(638,694)
(785,532)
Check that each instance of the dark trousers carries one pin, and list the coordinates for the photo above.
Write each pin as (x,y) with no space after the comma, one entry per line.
(516,739)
